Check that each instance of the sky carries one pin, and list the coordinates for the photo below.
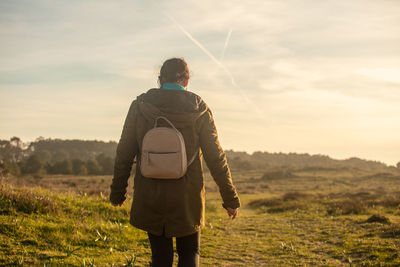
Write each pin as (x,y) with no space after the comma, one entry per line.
(304,76)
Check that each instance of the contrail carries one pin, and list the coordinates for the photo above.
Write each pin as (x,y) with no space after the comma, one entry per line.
(216,61)
(226,44)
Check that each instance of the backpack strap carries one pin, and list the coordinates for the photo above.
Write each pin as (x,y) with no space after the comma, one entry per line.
(193,157)
(164,118)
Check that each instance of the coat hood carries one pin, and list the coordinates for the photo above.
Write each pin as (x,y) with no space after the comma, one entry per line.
(181,107)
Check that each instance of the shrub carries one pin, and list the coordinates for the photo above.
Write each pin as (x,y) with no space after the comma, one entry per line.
(287,202)
(294,196)
(287,207)
(378,218)
(361,195)
(390,202)
(276,205)
(24,200)
(3,169)
(265,202)
(280,174)
(12,168)
(346,207)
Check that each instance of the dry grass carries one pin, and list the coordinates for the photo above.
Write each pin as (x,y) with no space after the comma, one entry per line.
(390,202)
(391,231)
(335,203)
(287,224)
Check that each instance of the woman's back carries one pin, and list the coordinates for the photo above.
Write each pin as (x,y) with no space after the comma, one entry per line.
(171,207)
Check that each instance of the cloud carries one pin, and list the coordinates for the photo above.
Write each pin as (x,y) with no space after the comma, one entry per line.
(381,74)
(65,73)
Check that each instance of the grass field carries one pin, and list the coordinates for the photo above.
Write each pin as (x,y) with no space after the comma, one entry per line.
(309,217)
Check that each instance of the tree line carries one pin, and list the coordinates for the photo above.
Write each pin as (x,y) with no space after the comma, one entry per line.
(83,157)
(300,161)
(99,165)
(56,156)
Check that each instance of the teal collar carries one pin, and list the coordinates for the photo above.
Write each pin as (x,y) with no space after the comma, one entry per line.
(172,86)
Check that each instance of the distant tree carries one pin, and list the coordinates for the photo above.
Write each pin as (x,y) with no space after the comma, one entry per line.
(12,151)
(106,163)
(15,153)
(3,169)
(62,167)
(240,163)
(93,167)
(49,168)
(79,167)
(74,149)
(75,153)
(40,139)
(60,156)
(33,165)
(16,141)
(12,168)
(244,165)
(44,155)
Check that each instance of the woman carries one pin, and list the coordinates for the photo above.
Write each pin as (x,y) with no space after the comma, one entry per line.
(172,208)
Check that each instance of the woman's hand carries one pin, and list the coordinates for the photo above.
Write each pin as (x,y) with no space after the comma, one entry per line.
(232,212)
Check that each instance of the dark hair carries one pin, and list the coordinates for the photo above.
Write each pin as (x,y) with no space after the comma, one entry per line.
(174,70)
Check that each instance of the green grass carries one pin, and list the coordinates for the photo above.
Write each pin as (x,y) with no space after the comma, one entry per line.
(307,219)
(72,229)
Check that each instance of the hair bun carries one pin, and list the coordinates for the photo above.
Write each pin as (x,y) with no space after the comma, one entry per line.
(174,70)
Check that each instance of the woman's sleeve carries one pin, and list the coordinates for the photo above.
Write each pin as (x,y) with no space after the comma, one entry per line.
(127,149)
(215,159)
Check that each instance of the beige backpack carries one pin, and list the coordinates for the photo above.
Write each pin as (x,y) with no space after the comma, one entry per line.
(163,153)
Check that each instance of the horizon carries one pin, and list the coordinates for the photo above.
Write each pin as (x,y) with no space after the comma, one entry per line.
(225,149)
(292,76)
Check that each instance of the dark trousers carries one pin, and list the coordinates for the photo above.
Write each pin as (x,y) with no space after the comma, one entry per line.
(162,250)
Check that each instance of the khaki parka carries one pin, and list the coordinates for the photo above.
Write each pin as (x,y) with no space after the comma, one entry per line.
(172,207)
